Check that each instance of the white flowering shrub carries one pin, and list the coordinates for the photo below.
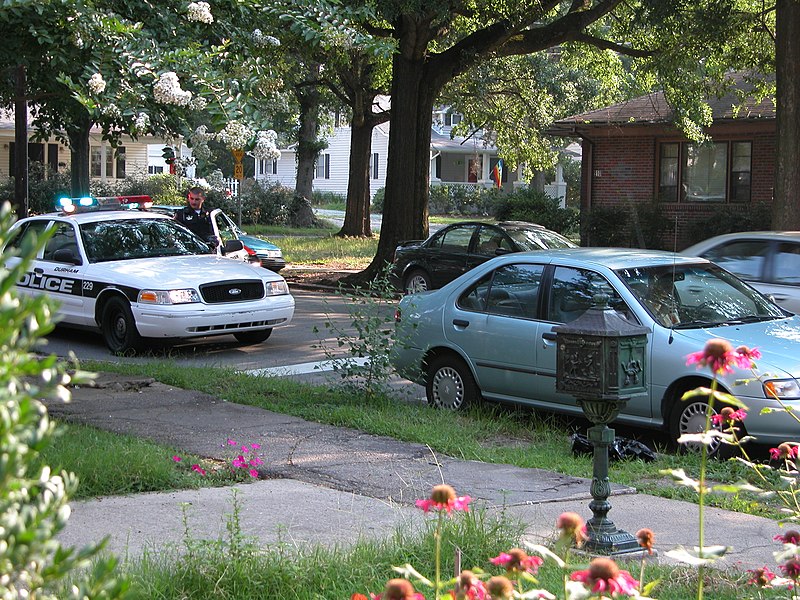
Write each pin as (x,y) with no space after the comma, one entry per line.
(265,147)
(167,90)
(111,111)
(200,12)
(235,135)
(259,39)
(97,84)
(140,124)
(33,505)
(198,103)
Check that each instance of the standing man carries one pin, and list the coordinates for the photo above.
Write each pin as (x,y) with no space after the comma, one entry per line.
(195,217)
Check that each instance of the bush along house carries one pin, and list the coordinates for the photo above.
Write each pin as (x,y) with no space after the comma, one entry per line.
(639,169)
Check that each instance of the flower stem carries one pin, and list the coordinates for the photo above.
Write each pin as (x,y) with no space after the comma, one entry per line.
(438,538)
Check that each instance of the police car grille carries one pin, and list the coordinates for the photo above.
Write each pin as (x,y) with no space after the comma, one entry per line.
(232,291)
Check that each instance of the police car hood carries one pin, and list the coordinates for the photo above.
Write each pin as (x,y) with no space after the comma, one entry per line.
(177,272)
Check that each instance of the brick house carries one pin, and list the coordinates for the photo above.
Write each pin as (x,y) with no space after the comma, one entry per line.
(635,163)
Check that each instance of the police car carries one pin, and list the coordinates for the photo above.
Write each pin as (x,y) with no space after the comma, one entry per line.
(139,276)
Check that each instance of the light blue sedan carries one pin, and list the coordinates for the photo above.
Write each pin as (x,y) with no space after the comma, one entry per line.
(489,334)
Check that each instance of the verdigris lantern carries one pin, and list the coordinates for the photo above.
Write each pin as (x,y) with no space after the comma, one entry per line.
(600,359)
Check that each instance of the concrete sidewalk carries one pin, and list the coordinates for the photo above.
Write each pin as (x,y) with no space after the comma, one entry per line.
(332,485)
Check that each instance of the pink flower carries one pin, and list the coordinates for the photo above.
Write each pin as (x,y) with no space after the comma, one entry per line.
(746,357)
(239,462)
(177,458)
(255,446)
(198,469)
(790,537)
(517,560)
(232,442)
(791,568)
(784,450)
(469,587)
(761,577)
(254,462)
(718,354)
(443,497)
(728,416)
(245,449)
(605,577)
(253,473)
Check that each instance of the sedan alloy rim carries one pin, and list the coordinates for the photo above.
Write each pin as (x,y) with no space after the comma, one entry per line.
(693,420)
(448,388)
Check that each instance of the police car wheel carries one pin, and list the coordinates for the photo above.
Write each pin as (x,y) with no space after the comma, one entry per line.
(119,327)
(253,337)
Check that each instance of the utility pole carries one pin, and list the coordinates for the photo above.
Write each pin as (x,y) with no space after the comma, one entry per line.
(20,145)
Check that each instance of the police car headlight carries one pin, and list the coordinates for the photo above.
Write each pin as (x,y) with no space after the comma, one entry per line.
(781,388)
(168,296)
(276,288)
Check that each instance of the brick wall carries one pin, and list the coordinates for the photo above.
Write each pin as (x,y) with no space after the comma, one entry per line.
(623,175)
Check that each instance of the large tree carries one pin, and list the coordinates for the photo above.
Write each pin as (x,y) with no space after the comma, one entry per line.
(439,40)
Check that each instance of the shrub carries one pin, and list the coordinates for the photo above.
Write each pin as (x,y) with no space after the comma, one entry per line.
(527,204)
(262,203)
(376,205)
(732,218)
(461,200)
(320,198)
(44,186)
(33,502)
(162,188)
(601,226)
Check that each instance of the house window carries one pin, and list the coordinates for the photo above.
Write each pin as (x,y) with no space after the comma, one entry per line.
(269,167)
(716,172)
(155,170)
(323,166)
(36,153)
(95,162)
(451,119)
(374,166)
(120,160)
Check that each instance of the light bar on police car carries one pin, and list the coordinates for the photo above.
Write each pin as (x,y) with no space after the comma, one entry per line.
(88,203)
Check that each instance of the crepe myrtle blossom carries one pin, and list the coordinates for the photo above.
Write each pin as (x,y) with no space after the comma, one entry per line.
(265,147)
(140,123)
(167,90)
(97,84)
(111,111)
(516,560)
(721,358)
(605,577)
(198,103)
(443,497)
(235,135)
(200,12)
(259,39)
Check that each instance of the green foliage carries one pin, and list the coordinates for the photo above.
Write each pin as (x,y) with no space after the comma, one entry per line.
(732,218)
(370,334)
(162,188)
(262,204)
(601,226)
(321,198)
(45,186)
(377,201)
(33,507)
(527,204)
(460,200)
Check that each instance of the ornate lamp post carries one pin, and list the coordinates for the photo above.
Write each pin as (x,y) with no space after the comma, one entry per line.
(600,359)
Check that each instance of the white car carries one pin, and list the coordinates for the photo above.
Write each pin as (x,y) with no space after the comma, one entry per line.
(767,260)
(136,275)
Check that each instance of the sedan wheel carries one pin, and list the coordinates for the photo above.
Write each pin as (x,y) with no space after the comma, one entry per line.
(690,417)
(119,327)
(450,384)
(417,281)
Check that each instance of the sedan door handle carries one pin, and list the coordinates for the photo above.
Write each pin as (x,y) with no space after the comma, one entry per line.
(549,336)
(460,323)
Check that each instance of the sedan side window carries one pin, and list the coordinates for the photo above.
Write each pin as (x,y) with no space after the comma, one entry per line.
(26,232)
(63,239)
(457,239)
(573,292)
(490,240)
(515,291)
(787,264)
(225,227)
(744,259)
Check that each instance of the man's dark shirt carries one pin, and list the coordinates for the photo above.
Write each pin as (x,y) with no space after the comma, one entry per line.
(199,223)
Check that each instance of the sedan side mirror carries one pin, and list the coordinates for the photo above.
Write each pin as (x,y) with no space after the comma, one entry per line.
(65,255)
(232,246)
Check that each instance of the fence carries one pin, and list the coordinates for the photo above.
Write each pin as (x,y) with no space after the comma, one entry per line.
(231,186)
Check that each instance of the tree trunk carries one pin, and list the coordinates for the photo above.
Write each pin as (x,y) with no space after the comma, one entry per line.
(786,201)
(20,145)
(79,155)
(357,216)
(307,150)
(405,205)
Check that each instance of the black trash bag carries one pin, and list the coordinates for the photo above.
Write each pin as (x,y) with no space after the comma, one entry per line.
(620,449)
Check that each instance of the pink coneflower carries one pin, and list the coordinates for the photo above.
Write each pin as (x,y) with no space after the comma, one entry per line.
(198,469)
(398,589)
(604,576)
(745,357)
(718,354)
(500,588)
(572,526)
(469,587)
(790,537)
(761,577)
(443,497)
(784,450)
(728,416)
(646,539)
(791,568)
(516,560)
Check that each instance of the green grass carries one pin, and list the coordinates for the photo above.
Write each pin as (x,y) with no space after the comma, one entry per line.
(329,251)
(111,464)
(490,433)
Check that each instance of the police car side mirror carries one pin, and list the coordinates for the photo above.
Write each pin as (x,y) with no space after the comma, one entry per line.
(232,246)
(65,255)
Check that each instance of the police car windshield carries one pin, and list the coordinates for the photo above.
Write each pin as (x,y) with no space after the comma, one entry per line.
(127,239)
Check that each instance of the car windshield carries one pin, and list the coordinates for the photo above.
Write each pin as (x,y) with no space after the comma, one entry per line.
(698,295)
(127,239)
(538,240)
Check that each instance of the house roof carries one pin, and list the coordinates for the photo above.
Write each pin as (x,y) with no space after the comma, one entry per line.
(653,109)
(441,142)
